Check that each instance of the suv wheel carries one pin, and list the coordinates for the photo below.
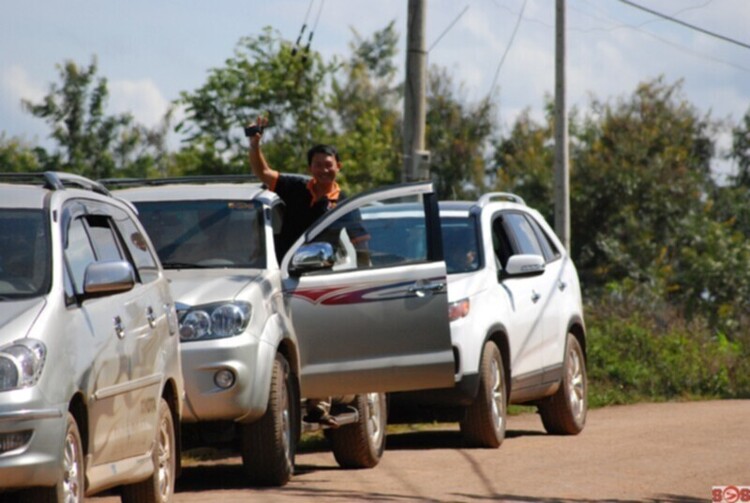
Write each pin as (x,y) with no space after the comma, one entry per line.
(564,413)
(71,487)
(159,487)
(361,445)
(484,421)
(268,445)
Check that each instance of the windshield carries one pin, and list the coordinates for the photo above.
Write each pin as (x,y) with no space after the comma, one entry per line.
(205,234)
(24,254)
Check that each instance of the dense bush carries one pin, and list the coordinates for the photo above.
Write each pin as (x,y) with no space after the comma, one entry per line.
(640,348)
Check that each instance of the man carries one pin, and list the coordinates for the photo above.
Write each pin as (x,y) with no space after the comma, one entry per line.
(305,200)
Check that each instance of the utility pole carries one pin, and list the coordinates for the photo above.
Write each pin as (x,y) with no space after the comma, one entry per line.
(416,158)
(562,184)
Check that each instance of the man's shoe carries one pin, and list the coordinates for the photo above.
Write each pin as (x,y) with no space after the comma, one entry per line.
(322,418)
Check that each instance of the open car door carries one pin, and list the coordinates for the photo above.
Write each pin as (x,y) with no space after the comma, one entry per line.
(369,306)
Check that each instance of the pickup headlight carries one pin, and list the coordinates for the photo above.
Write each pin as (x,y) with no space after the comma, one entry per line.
(21,363)
(215,321)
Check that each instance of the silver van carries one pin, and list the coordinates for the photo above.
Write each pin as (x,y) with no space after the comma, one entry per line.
(90,380)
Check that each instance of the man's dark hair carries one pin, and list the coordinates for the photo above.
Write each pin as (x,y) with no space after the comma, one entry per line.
(322,149)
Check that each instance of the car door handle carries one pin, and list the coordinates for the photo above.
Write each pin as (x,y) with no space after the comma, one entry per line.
(561,285)
(423,288)
(119,327)
(535,296)
(151,317)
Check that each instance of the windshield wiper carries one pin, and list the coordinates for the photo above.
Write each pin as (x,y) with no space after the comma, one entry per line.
(183,265)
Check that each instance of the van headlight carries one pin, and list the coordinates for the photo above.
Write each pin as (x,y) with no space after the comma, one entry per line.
(21,363)
(215,321)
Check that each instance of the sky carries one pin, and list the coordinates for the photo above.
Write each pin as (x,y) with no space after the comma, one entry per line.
(151,50)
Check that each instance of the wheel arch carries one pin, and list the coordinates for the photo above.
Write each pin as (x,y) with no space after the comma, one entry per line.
(499,335)
(289,350)
(77,406)
(170,393)
(576,327)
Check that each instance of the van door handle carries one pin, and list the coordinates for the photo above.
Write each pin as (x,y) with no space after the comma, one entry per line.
(561,285)
(119,328)
(151,317)
(535,296)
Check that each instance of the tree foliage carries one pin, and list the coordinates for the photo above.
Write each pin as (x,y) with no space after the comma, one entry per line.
(264,77)
(457,135)
(89,141)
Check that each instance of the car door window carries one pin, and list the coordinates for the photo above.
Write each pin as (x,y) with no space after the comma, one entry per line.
(103,237)
(501,242)
(137,246)
(550,250)
(386,234)
(523,235)
(79,252)
(90,238)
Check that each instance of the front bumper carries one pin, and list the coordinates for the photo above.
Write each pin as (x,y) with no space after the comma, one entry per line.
(31,441)
(205,400)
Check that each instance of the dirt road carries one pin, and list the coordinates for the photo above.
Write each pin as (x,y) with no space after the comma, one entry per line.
(648,452)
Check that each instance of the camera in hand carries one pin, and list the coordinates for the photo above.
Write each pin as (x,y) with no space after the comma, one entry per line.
(251,131)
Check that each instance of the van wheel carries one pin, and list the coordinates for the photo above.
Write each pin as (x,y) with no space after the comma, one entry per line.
(70,488)
(484,421)
(269,444)
(564,413)
(361,445)
(159,487)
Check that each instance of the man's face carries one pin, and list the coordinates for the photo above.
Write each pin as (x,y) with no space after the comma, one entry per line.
(324,168)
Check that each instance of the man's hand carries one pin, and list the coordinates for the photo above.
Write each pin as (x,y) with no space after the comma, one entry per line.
(255,131)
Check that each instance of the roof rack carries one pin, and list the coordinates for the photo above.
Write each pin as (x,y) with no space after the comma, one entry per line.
(500,196)
(137,182)
(56,180)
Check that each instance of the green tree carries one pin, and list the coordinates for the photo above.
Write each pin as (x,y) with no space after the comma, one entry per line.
(17,156)
(642,169)
(263,77)
(365,101)
(457,133)
(523,163)
(89,141)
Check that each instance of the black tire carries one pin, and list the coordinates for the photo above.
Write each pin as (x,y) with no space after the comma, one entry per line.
(484,421)
(361,445)
(71,487)
(269,445)
(159,487)
(564,413)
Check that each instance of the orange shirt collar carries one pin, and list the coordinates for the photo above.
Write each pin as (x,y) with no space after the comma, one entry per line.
(332,195)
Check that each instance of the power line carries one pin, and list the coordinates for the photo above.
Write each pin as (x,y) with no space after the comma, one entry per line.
(507,49)
(688,25)
(448,28)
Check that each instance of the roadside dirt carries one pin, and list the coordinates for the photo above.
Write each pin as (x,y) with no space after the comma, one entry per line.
(647,452)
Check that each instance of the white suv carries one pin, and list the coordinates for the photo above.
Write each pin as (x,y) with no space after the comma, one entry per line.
(516,320)
(327,320)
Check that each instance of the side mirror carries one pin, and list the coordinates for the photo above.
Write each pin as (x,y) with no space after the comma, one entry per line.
(519,266)
(105,278)
(312,257)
